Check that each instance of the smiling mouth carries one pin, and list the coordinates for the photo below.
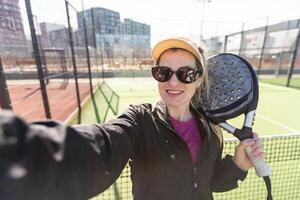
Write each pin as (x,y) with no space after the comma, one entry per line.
(174,92)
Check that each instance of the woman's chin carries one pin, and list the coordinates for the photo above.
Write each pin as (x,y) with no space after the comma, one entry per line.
(173,104)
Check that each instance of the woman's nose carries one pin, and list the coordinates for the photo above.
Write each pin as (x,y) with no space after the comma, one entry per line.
(173,80)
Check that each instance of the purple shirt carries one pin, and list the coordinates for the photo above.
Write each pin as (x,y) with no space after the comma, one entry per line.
(189,132)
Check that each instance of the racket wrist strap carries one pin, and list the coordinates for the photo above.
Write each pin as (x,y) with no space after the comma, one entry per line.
(269,187)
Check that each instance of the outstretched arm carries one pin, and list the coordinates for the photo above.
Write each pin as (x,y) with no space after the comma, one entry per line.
(49,160)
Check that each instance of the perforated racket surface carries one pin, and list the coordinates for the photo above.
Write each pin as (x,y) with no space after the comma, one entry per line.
(233,88)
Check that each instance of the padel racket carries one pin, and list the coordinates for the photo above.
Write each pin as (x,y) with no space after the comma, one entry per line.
(233,92)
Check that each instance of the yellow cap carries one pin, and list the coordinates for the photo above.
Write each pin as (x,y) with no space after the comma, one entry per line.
(179,42)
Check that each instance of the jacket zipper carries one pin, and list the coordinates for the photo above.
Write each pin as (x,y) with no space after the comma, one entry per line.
(194,168)
(181,140)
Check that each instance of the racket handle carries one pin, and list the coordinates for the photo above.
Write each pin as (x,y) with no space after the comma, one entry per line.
(260,165)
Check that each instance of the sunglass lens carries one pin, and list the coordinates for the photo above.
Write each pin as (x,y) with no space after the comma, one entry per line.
(161,74)
(186,74)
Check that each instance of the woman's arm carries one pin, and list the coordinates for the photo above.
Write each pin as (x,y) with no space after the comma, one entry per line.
(226,174)
(49,160)
(229,170)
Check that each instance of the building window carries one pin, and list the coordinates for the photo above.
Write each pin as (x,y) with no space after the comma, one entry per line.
(6,7)
(11,23)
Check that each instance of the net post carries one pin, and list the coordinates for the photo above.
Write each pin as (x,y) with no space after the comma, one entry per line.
(295,52)
(73,55)
(263,48)
(38,59)
(5,102)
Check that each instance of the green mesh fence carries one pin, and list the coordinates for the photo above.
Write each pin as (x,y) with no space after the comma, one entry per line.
(97,108)
(111,98)
(283,155)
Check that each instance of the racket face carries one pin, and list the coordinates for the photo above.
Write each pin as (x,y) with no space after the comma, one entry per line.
(232,87)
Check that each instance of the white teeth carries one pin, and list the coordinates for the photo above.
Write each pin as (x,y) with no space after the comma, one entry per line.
(174,91)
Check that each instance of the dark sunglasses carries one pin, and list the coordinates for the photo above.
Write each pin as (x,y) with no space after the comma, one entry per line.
(184,74)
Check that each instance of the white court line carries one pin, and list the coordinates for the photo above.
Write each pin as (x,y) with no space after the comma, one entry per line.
(277,123)
(269,85)
(273,121)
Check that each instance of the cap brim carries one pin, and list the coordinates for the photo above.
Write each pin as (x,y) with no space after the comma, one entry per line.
(170,43)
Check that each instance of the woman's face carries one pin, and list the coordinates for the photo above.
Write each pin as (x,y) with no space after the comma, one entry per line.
(174,93)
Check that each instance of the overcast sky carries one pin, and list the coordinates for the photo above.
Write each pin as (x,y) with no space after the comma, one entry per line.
(180,17)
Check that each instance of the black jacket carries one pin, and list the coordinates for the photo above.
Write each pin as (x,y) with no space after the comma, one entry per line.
(79,162)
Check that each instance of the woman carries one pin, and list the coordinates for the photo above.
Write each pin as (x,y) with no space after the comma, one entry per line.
(173,150)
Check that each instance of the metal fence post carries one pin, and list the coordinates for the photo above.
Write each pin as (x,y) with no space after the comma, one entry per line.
(87,52)
(45,69)
(263,48)
(279,63)
(95,43)
(73,55)
(225,44)
(242,39)
(38,59)
(295,52)
(5,102)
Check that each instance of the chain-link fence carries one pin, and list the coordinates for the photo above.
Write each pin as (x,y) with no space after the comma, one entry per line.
(47,74)
(272,49)
(283,157)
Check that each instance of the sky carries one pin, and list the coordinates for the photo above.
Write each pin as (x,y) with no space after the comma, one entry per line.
(189,18)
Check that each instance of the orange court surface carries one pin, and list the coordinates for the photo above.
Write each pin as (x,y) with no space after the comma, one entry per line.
(26,99)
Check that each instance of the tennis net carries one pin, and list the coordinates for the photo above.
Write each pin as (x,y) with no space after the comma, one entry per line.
(283,155)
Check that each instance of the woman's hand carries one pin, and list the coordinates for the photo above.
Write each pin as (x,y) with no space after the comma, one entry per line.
(241,159)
